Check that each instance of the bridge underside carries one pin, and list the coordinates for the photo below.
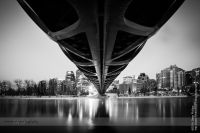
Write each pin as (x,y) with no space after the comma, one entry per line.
(100,36)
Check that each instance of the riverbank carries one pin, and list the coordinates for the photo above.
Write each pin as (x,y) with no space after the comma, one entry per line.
(38,97)
(78,97)
(153,96)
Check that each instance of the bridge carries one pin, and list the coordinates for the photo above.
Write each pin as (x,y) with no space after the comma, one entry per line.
(100,36)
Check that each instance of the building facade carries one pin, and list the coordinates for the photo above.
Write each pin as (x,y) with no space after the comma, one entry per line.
(128,79)
(70,76)
(192,76)
(82,83)
(69,83)
(165,78)
(158,80)
(171,78)
(181,79)
(53,86)
(60,86)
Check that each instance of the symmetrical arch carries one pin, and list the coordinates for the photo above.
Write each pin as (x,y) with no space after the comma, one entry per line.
(100,36)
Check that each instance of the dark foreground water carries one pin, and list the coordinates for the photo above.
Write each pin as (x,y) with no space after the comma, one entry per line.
(99,115)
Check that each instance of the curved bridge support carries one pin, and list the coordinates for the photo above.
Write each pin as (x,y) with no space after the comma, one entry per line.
(100,36)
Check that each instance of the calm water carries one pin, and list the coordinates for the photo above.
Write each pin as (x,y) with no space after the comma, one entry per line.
(87,113)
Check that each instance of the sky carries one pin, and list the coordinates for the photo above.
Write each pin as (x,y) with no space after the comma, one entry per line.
(26,52)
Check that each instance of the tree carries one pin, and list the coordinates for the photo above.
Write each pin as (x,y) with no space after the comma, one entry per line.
(52,87)
(6,86)
(30,87)
(42,87)
(178,91)
(19,85)
(152,85)
(115,89)
(1,88)
(144,89)
(149,86)
(129,90)
(11,92)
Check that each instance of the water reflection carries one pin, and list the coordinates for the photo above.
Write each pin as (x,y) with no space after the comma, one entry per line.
(96,111)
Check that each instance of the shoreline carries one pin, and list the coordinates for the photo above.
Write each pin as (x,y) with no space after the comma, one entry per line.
(155,97)
(42,97)
(80,97)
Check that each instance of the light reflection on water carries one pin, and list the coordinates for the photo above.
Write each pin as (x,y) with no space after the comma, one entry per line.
(92,111)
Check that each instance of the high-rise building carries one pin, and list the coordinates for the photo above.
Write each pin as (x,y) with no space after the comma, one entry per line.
(158,80)
(181,79)
(70,76)
(60,86)
(171,78)
(177,77)
(165,78)
(80,76)
(82,82)
(69,83)
(53,86)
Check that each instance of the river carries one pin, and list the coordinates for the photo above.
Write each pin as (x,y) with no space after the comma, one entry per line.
(109,114)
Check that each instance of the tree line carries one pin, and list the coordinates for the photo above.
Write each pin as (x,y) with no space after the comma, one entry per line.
(31,88)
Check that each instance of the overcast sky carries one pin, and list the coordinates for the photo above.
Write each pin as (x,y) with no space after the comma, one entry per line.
(26,52)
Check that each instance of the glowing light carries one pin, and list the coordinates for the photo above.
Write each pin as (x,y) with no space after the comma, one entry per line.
(81,115)
(60,110)
(69,119)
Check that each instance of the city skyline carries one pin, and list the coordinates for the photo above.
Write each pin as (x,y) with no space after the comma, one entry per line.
(27,53)
(120,80)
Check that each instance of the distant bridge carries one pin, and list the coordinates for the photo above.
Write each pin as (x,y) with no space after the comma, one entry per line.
(100,36)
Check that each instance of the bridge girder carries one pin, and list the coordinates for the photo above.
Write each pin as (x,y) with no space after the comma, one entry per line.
(100,36)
